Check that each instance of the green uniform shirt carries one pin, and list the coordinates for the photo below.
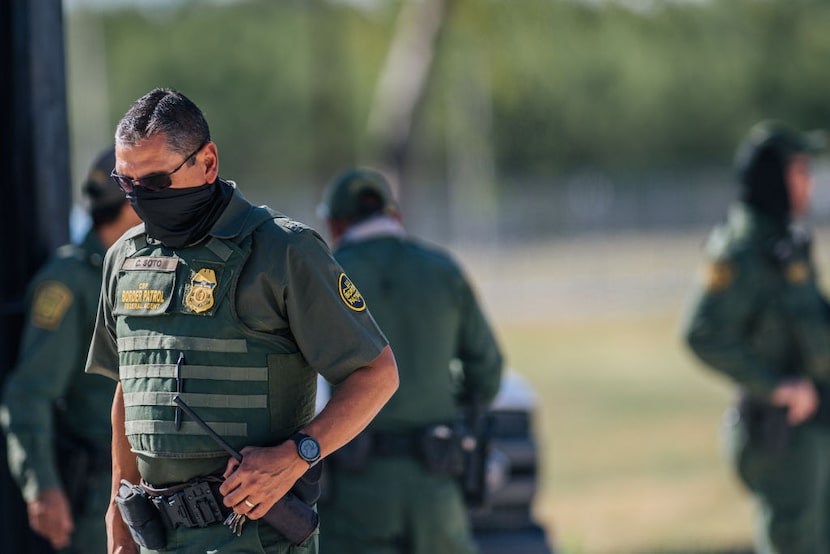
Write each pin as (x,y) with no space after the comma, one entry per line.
(289,289)
(758,315)
(443,345)
(63,299)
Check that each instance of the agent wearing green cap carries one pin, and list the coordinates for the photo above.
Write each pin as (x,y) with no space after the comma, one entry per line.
(759,318)
(394,488)
(55,416)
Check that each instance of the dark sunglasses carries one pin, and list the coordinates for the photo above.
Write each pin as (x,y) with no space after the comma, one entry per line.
(155,181)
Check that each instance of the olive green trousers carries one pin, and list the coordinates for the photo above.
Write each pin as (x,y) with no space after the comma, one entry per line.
(394,506)
(790,485)
(257,538)
(90,534)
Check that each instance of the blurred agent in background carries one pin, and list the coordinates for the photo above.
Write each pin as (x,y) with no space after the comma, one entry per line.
(759,318)
(395,488)
(55,416)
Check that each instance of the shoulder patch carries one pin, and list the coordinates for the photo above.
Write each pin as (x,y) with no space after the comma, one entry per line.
(718,276)
(797,273)
(349,294)
(295,226)
(52,299)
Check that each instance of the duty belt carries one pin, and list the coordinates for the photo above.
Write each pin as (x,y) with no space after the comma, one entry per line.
(193,504)
(396,443)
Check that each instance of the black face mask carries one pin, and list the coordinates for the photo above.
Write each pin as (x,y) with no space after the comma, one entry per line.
(181,217)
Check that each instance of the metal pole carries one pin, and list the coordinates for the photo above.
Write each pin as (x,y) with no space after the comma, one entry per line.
(34,209)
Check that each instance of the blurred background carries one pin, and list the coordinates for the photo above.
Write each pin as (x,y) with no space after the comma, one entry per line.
(572,153)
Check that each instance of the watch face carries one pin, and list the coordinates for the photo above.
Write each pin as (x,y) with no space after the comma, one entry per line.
(309,449)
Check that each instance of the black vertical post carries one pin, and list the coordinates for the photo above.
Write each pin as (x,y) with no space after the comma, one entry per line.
(34,209)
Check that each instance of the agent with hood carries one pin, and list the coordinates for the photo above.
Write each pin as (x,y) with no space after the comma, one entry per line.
(759,318)
(55,416)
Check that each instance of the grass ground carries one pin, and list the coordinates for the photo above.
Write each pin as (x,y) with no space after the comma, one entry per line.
(629,436)
(627,421)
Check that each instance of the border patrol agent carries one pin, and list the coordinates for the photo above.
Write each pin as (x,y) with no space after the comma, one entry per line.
(55,416)
(396,488)
(759,318)
(235,309)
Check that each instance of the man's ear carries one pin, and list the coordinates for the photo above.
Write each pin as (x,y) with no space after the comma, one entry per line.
(210,158)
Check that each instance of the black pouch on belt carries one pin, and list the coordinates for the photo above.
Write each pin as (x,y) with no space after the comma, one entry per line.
(766,424)
(141,516)
(441,450)
(307,487)
(293,518)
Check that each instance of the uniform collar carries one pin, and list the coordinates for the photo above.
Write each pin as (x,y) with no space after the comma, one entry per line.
(374,227)
(232,220)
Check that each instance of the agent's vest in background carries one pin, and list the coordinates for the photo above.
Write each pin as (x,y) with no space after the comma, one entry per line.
(179,333)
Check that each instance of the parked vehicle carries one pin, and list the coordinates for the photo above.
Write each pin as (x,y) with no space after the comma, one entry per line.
(504,524)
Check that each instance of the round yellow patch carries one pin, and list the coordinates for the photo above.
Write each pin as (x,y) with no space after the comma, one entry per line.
(719,276)
(798,272)
(350,295)
(52,299)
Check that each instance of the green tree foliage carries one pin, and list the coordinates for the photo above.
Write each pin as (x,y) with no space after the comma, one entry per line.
(288,85)
(677,84)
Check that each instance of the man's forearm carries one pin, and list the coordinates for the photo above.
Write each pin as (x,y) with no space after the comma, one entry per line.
(123,459)
(355,402)
(123,467)
(265,474)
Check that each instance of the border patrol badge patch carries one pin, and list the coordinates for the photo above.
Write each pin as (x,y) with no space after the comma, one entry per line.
(200,297)
(718,276)
(51,301)
(350,295)
(798,273)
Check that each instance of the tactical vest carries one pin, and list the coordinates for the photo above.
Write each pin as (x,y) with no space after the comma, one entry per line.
(179,333)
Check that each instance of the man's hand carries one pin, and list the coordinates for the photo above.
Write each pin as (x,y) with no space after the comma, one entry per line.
(253,486)
(800,398)
(265,474)
(51,518)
